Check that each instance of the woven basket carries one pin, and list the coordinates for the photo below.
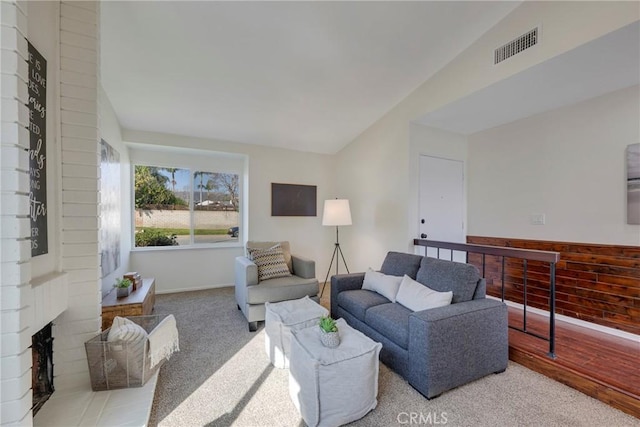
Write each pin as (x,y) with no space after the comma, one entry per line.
(109,372)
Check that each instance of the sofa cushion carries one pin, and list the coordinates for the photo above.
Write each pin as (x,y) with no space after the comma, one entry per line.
(481,289)
(358,301)
(417,297)
(392,321)
(281,289)
(270,262)
(384,284)
(442,275)
(286,250)
(399,264)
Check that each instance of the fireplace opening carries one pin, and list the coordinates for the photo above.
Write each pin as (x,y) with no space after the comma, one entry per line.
(42,368)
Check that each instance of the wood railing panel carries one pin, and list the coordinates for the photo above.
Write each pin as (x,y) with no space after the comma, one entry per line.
(596,283)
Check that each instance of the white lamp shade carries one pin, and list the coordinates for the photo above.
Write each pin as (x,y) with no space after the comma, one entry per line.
(336,212)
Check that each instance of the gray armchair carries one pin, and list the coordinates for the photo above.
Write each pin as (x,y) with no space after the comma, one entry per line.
(251,294)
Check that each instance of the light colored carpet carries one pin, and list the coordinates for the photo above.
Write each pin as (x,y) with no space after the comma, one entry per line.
(222,377)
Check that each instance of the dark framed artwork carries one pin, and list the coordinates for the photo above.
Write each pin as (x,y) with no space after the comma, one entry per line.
(38,152)
(293,200)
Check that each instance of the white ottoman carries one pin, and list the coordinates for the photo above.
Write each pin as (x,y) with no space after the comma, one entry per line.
(333,386)
(283,317)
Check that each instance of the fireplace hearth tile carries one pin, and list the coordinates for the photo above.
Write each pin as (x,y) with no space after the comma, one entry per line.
(124,407)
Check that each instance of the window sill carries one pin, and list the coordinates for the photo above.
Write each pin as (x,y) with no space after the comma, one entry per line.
(207,246)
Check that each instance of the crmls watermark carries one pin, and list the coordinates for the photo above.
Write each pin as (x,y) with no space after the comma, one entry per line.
(428,418)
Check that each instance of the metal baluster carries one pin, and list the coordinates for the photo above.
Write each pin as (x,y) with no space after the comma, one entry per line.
(503,284)
(484,264)
(506,253)
(552,311)
(524,299)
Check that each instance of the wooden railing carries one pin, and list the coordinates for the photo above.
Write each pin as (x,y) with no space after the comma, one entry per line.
(525,255)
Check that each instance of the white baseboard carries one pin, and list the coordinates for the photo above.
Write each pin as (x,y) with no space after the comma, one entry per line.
(577,322)
(197,288)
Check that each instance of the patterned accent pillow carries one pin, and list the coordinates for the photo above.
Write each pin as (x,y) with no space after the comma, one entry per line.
(270,262)
(127,342)
(286,249)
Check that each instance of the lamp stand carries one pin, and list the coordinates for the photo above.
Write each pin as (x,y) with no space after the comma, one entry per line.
(336,251)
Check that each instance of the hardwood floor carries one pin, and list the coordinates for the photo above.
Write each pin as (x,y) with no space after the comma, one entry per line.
(325,301)
(598,364)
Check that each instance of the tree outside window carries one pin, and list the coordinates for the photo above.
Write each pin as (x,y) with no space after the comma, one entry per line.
(166,216)
(217,206)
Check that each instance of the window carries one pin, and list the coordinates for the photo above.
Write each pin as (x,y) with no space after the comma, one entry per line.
(215,211)
(179,207)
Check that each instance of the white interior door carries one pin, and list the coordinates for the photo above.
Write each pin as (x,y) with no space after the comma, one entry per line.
(441,203)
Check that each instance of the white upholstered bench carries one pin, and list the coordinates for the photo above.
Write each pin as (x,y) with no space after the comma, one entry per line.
(283,317)
(333,386)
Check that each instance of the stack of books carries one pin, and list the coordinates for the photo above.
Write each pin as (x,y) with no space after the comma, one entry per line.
(135,278)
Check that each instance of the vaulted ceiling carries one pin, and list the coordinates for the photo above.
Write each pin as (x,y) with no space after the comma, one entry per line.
(309,76)
(600,66)
(312,76)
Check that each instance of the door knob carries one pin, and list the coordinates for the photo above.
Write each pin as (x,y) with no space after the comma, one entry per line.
(423,236)
(422,221)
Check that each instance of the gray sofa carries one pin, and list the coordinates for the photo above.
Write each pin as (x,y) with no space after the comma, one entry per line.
(438,349)
(251,294)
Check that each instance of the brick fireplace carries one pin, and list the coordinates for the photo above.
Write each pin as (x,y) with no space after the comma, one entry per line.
(64,289)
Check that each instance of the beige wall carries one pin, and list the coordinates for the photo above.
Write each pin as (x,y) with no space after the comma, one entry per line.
(214,266)
(374,170)
(568,164)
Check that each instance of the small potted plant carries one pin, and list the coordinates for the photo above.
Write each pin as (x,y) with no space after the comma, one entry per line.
(329,332)
(123,287)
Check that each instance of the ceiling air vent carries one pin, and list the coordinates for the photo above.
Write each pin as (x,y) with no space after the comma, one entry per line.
(516,46)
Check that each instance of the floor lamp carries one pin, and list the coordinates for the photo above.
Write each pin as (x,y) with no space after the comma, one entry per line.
(336,213)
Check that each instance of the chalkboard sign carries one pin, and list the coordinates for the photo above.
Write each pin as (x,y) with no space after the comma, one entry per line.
(38,151)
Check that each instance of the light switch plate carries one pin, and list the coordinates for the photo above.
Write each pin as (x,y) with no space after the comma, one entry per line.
(537,219)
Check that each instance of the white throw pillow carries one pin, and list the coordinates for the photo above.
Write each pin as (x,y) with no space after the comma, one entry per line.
(127,342)
(384,284)
(417,297)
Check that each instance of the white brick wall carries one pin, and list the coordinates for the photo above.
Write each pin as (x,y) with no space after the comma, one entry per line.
(16,310)
(50,298)
(24,306)
(79,57)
